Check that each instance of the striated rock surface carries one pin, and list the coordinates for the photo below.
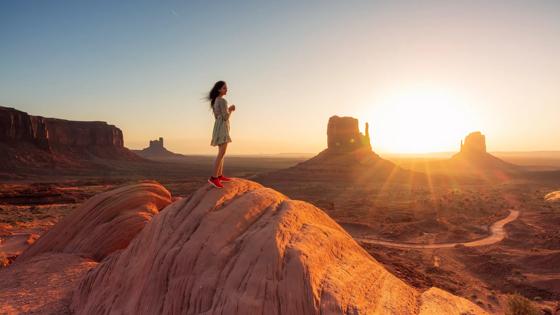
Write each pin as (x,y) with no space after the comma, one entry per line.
(38,141)
(43,279)
(343,135)
(103,224)
(247,249)
(552,196)
(157,151)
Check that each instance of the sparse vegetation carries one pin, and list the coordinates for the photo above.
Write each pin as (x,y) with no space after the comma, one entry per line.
(4,262)
(519,305)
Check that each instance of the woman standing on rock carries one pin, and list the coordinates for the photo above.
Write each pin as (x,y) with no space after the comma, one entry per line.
(220,134)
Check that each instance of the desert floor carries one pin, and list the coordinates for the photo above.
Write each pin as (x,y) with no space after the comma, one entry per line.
(526,261)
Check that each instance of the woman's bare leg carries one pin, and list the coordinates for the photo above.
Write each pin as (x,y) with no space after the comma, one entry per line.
(221,170)
(219,163)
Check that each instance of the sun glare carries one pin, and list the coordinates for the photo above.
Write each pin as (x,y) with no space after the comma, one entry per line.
(420,121)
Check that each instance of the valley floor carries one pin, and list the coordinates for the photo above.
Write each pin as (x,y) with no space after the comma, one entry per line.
(526,261)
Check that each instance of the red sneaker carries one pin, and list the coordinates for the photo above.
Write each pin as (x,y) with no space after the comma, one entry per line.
(224,179)
(215,181)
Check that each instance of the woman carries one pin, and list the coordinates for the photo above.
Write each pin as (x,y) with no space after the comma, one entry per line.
(220,134)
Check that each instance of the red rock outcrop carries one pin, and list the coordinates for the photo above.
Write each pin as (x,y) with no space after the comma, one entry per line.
(36,141)
(16,125)
(247,249)
(552,196)
(19,126)
(104,223)
(43,278)
(343,135)
(475,142)
(348,157)
(473,159)
(157,151)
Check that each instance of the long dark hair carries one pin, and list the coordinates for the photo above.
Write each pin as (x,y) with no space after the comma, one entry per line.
(215,92)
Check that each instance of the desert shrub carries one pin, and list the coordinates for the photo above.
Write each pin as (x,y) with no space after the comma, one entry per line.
(4,262)
(519,305)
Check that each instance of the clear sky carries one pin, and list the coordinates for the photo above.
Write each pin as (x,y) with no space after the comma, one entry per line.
(423,73)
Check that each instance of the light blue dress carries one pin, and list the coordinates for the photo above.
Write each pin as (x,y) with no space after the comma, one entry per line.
(220,134)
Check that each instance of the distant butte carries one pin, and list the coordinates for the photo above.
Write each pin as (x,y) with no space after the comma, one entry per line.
(156,150)
(473,157)
(343,135)
(348,156)
(475,143)
(35,141)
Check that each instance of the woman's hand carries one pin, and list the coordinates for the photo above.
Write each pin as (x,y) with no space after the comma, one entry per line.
(231,108)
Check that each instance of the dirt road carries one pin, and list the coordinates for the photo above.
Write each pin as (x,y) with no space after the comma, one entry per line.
(497,234)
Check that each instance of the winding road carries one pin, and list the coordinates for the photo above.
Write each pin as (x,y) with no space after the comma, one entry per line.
(497,234)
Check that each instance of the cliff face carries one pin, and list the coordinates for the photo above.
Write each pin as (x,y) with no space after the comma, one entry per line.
(34,140)
(82,134)
(18,126)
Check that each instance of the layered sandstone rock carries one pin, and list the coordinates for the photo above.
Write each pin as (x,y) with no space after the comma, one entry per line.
(247,249)
(103,224)
(343,135)
(552,196)
(16,125)
(19,126)
(36,141)
(43,278)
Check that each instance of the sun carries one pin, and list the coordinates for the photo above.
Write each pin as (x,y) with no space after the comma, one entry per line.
(420,120)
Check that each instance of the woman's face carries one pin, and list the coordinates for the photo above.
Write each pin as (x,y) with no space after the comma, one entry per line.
(223,90)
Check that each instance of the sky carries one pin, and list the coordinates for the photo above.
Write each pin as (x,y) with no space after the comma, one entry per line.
(422,73)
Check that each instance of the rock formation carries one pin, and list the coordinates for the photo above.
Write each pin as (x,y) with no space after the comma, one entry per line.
(157,151)
(248,249)
(104,223)
(349,157)
(553,196)
(19,126)
(343,135)
(475,160)
(157,144)
(36,141)
(475,143)
(245,249)
(43,278)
